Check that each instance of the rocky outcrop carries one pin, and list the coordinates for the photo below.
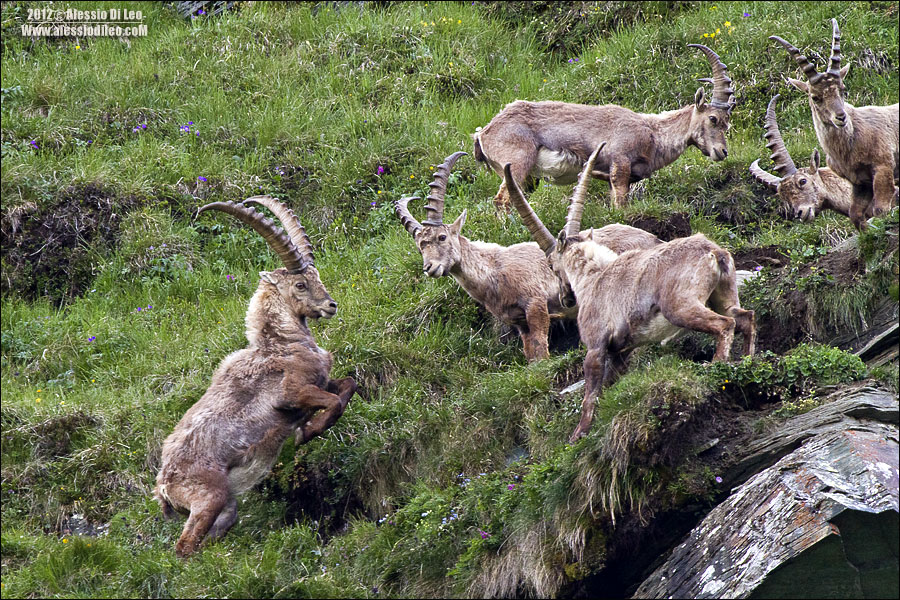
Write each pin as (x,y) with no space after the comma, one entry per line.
(822,521)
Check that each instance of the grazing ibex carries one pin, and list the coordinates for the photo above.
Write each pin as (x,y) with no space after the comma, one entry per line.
(807,191)
(513,283)
(553,139)
(279,385)
(860,143)
(637,297)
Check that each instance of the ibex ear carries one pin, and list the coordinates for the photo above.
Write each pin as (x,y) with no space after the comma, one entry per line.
(458,223)
(800,85)
(814,161)
(698,97)
(268,277)
(561,239)
(844,71)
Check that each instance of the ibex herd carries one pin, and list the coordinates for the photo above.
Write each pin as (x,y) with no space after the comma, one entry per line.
(624,286)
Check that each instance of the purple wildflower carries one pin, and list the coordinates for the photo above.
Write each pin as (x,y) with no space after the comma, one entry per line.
(759,268)
(380,170)
(229,277)
(197,133)
(511,486)
(190,122)
(718,479)
(150,248)
(35,144)
(201,178)
(484,534)
(373,203)
(746,14)
(149,306)
(92,338)
(200,12)
(138,309)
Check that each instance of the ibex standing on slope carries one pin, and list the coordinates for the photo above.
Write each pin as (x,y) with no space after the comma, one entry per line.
(279,385)
(553,139)
(513,283)
(861,144)
(806,191)
(638,297)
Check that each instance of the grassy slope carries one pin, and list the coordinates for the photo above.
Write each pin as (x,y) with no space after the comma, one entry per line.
(307,104)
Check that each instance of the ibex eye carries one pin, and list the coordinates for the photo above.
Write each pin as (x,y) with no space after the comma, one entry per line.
(442,237)
(817,98)
(802,182)
(714,120)
(300,285)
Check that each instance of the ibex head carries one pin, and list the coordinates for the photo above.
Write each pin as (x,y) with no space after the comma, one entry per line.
(801,190)
(298,283)
(826,90)
(710,121)
(437,243)
(559,250)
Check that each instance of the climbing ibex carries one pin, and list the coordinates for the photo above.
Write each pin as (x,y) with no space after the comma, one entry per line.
(513,283)
(279,385)
(553,139)
(861,144)
(807,191)
(637,297)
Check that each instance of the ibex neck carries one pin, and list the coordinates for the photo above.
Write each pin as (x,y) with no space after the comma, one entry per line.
(584,263)
(837,192)
(270,323)
(473,271)
(673,134)
(836,141)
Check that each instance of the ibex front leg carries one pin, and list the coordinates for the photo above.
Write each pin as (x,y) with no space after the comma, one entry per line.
(534,341)
(594,375)
(332,403)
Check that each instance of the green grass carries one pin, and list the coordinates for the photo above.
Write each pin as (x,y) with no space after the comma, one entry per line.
(306,101)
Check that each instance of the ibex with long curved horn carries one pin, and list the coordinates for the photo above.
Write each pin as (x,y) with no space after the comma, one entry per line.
(806,191)
(278,385)
(513,283)
(637,297)
(553,139)
(860,143)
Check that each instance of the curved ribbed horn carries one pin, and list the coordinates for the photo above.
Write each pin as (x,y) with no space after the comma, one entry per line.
(764,176)
(808,68)
(434,210)
(290,222)
(277,239)
(408,221)
(541,234)
(784,166)
(576,206)
(723,94)
(834,65)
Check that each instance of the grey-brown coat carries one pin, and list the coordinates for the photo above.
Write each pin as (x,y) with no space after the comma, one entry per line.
(807,191)
(514,283)
(861,143)
(277,386)
(553,139)
(640,296)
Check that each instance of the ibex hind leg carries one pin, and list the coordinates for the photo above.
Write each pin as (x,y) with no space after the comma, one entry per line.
(698,317)
(745,323)
(224,521)
(208,495)
(521,163)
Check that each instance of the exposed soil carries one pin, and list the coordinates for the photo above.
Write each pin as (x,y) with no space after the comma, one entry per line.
(769,256)
(49,251)
(677,225)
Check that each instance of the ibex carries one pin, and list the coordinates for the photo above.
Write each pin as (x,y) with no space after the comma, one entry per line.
(513,283)
(807,191)
(861,144)
(226,442)
(553,139)
(637,297)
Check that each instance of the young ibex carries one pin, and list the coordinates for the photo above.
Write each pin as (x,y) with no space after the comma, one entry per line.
(226,442)
(553,139)
(637,297)
(860,143)
(807,191)
(513,283)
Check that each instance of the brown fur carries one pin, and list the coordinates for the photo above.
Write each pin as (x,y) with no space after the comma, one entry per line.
(645,296)
(514,283)
(810,190)
(227,442)
(640,296)
(553,140)
(861,143)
